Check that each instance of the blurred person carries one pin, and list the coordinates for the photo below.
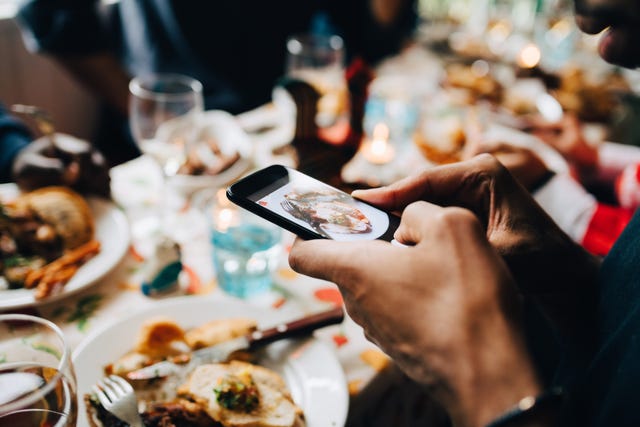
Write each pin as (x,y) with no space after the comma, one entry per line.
(446,308)
(67,161)
(594,223)
(236,49)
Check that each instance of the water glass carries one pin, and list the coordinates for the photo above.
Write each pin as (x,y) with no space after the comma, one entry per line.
(37,380)
(320,61)
(246,248)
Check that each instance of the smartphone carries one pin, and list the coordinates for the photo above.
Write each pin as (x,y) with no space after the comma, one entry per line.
(310,208)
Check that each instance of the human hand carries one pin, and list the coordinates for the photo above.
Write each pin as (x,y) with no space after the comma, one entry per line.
(522,163)
(450,322)
(567,138)
(68,162)
(620,20)
(544,261)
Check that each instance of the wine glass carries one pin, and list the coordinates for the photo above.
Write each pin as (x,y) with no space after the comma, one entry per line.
(37,380)
(164,112)
(319,60)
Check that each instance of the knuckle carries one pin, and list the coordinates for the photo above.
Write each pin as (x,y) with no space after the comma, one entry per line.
(457,216)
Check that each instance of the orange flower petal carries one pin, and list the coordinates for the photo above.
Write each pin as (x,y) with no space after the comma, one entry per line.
(331,295)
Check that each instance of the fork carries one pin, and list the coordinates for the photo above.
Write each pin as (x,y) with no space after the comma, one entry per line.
(118,397)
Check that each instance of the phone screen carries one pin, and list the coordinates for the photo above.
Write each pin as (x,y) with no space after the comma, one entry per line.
(300,201)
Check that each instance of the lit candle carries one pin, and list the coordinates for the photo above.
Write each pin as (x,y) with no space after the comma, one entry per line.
(225,214)
(379,150)
(529,56)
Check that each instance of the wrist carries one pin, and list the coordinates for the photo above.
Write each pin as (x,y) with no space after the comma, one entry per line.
(539,410)
(499,374)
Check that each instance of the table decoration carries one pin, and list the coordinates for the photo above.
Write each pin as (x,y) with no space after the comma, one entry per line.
(378,149)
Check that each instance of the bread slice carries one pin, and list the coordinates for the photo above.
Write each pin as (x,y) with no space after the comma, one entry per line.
(275,407)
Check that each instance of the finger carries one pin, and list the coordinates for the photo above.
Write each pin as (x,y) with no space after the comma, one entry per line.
(590,25)
(494,147)
(620,45)
(338,262)
(453,184)
(415,222)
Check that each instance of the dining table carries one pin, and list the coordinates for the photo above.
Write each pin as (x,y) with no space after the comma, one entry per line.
(136,191)
(379,393)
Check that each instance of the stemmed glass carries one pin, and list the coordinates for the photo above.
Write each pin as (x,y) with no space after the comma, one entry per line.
(164,110)
(320,61)
(37,380)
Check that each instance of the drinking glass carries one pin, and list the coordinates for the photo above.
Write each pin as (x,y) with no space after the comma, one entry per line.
(556,33)
(164,111)
(37,380)
(246,248)
(320,61)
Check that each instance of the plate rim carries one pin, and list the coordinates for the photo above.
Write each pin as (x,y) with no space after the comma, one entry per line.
(189,300)
(105,207)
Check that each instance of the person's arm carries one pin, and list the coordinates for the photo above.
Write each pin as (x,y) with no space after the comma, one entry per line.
(388,13)
(14,137)
(103,75)
(374,29)
(445,309)
(73,33)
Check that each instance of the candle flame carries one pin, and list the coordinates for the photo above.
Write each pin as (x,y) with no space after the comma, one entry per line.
(381,132)
(379,150)
(529,56)
(225,218)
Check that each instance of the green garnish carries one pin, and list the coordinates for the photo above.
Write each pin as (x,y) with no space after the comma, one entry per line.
(18,261)
(237,394)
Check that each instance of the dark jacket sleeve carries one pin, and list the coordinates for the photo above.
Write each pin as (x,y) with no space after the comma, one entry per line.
(63,27)
(14,136)
(363,36)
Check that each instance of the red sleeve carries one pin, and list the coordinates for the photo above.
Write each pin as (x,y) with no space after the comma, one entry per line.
(606,225)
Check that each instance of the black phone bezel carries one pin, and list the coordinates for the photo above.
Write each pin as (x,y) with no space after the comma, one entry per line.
(263,182)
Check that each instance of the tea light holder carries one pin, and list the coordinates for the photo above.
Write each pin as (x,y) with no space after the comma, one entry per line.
(378,150)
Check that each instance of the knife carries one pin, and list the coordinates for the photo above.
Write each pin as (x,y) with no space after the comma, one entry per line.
(252,341)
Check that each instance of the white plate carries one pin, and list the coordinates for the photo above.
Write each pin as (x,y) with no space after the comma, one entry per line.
(310,367)
(231,138)
(112,230)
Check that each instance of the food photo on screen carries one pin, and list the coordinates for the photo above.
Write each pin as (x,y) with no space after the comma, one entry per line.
(328,212)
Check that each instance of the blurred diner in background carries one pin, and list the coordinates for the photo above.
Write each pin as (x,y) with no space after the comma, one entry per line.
(123,122)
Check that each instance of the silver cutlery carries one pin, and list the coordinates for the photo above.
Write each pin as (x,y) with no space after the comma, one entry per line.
(118,397)
(256,339)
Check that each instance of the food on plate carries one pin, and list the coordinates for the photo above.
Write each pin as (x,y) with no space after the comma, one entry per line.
(441,137)
(232,393)
(161,337)
(590,100)
(326,211)
(477,81)
(242,394)
(45,236)
(206,157)
(217,331)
